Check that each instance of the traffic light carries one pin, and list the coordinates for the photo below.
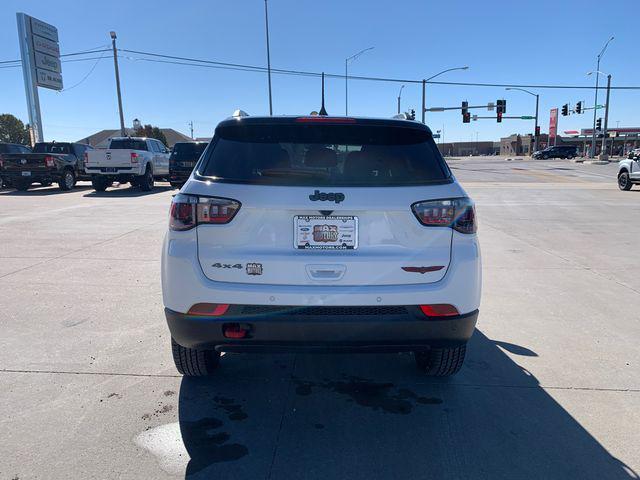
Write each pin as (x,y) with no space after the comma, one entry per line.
(565,109)
(579,107)
(499,117)
(538,131)
(412,114)
(501,106)
(599,124)
(466,117)
(465,108)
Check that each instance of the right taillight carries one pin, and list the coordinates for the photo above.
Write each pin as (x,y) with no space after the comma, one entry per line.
(188,211)
(134,157)
(457,213)
(86,158)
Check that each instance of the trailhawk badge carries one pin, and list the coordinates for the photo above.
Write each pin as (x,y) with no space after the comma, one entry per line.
(254,269)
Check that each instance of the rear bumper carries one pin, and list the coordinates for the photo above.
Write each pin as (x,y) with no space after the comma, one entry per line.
(179,176)
(338,330)
(36,175)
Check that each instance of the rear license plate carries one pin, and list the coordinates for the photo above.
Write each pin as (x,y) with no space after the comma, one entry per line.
(110,170)
(26,174)
(187,164)
(320,232)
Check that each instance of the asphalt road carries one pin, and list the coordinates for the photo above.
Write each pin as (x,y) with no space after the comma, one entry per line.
(550,389)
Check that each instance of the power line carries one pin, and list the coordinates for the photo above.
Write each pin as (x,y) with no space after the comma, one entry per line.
(258,68)
(99,49)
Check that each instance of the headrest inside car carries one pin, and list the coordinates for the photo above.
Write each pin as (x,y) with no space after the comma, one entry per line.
(321,157)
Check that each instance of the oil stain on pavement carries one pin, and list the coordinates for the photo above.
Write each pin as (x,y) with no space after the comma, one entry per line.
(385,397)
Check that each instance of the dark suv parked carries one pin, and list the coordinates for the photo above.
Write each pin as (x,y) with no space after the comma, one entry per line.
(184,157)
(49,162)
(6,148)
(559,151)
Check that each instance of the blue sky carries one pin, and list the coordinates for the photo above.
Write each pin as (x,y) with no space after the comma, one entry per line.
(502,41)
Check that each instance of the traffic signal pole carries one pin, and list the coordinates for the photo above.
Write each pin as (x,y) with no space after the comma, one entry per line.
(603,150)
(424,110)
(535,131)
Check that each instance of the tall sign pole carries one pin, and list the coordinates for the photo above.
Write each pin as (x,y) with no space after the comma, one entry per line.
(553,126)
(40,56)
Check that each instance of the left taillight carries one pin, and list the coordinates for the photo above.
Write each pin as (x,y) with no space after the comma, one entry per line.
(457,213)
(86,158)
(49,161)
(188,211)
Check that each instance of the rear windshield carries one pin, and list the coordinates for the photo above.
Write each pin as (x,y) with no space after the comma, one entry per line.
(188,151)
(325,155)
(128,144)
(52,148)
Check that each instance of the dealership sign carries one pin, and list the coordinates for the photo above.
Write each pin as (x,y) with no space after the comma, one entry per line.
(553,126)
(41,51)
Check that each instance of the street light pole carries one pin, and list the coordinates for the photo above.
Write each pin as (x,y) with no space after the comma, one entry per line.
(399,95)
(115,64)
(424,83)
(346,77)
(535,131)
(603,150)
(595,102)
(266,22)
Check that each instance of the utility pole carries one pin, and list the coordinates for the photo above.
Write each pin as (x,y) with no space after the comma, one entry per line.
(266,22)
(424,108)
(115,64)
(191,127)
(603,150)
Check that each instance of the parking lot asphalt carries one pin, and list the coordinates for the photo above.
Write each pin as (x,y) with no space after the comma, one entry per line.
(550,388)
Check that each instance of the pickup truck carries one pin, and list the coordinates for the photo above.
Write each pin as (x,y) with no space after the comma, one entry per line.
(10,148)
(136,160)
(49,162)
(629,171)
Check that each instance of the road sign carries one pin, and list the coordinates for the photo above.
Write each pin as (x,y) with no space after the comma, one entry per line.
(48,79)
(527,117)
(475,117)
(491,106)
(47,62)
(436,135)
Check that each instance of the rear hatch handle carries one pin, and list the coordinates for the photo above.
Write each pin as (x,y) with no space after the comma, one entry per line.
(326,272)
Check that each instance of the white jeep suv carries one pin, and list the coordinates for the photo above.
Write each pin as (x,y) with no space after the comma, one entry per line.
(321,234)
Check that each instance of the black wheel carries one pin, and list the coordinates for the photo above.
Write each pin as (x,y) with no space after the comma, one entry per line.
(545,157)
(146,181)
(100,184)
(194,363)
(441,362)
(67,181)
(570,156)
(22,185)
(624,182)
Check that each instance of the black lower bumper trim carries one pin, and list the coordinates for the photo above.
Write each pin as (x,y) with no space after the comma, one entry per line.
(336,333)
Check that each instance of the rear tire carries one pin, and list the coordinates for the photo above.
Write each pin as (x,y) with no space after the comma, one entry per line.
(100,184)
(441,362)
(624,182)
(146,181)
(21,185)
(194,363)
(67,181)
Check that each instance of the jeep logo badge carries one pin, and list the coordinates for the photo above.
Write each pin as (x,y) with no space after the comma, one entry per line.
(324,197)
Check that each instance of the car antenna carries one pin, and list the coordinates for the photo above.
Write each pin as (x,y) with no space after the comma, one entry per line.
(323,111)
